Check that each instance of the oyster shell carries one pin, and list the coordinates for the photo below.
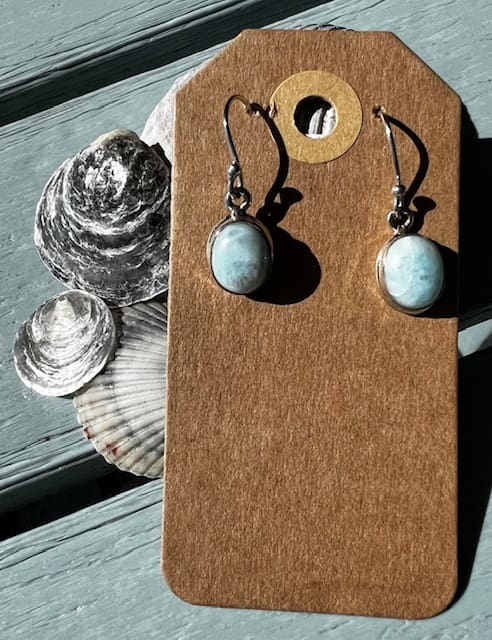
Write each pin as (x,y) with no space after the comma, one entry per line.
(122,410)
(65,343)
(102,223)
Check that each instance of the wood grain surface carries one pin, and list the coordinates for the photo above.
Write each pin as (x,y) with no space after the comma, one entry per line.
(82,558)
(95,575)
(81,47)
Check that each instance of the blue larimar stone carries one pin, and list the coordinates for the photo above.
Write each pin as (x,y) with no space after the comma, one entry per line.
(240,257)
(413,272)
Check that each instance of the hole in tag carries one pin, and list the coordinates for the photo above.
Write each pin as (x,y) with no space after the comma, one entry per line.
(318,115)
(315,117)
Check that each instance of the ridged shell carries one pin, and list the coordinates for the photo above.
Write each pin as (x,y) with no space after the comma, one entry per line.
(65,343)
(102,223)
(122,410)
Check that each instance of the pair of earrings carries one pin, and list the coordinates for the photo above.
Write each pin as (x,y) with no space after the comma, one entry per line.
(409,267)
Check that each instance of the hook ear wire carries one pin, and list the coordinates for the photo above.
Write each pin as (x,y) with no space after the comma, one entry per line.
(380,112)
(251,108)
(400,219)
(237,197)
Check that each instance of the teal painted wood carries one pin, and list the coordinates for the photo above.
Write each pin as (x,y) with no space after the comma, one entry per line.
(39,435)
(49,54)
(56,54)
(96,575)
(39,38)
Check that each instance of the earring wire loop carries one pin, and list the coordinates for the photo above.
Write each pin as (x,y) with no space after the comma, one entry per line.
(230,143)
(237,198)
(391,141)
(400,218)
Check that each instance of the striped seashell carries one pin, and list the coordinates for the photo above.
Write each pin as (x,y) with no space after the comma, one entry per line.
(122,410)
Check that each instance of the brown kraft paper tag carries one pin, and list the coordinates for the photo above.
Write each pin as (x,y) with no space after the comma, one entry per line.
(311,429)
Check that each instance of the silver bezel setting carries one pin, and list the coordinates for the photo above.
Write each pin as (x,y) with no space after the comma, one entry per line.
(381,279)
(238,217)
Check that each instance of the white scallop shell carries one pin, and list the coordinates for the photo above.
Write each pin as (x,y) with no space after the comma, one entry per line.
(65,343)
(122,410)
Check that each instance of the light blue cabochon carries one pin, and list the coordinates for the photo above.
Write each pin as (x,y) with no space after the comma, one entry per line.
(413,272)
(240,257)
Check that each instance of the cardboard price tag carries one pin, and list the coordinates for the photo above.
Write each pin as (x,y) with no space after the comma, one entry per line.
(311,428)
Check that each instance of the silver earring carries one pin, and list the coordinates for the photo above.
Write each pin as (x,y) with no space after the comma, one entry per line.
(239,248)
(409,267)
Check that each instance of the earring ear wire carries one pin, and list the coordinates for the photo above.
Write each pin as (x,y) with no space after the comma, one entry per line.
(400,218)
(409,267)
(237,198)
(239,248)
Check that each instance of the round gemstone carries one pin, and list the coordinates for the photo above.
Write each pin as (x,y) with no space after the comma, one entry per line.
(240,257)
(412,271)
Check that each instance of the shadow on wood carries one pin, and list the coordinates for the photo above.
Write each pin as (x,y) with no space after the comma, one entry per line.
(474,447)
(475,269)
(475,371)
(138,56)
(57,494)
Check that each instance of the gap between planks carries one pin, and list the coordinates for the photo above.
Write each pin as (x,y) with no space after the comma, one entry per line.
(96,574)
(144,44)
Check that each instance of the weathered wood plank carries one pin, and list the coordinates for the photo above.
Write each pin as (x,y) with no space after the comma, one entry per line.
(96,574)
(40,435)
(54,494)
(50,54)
(54,55)
(38,38)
